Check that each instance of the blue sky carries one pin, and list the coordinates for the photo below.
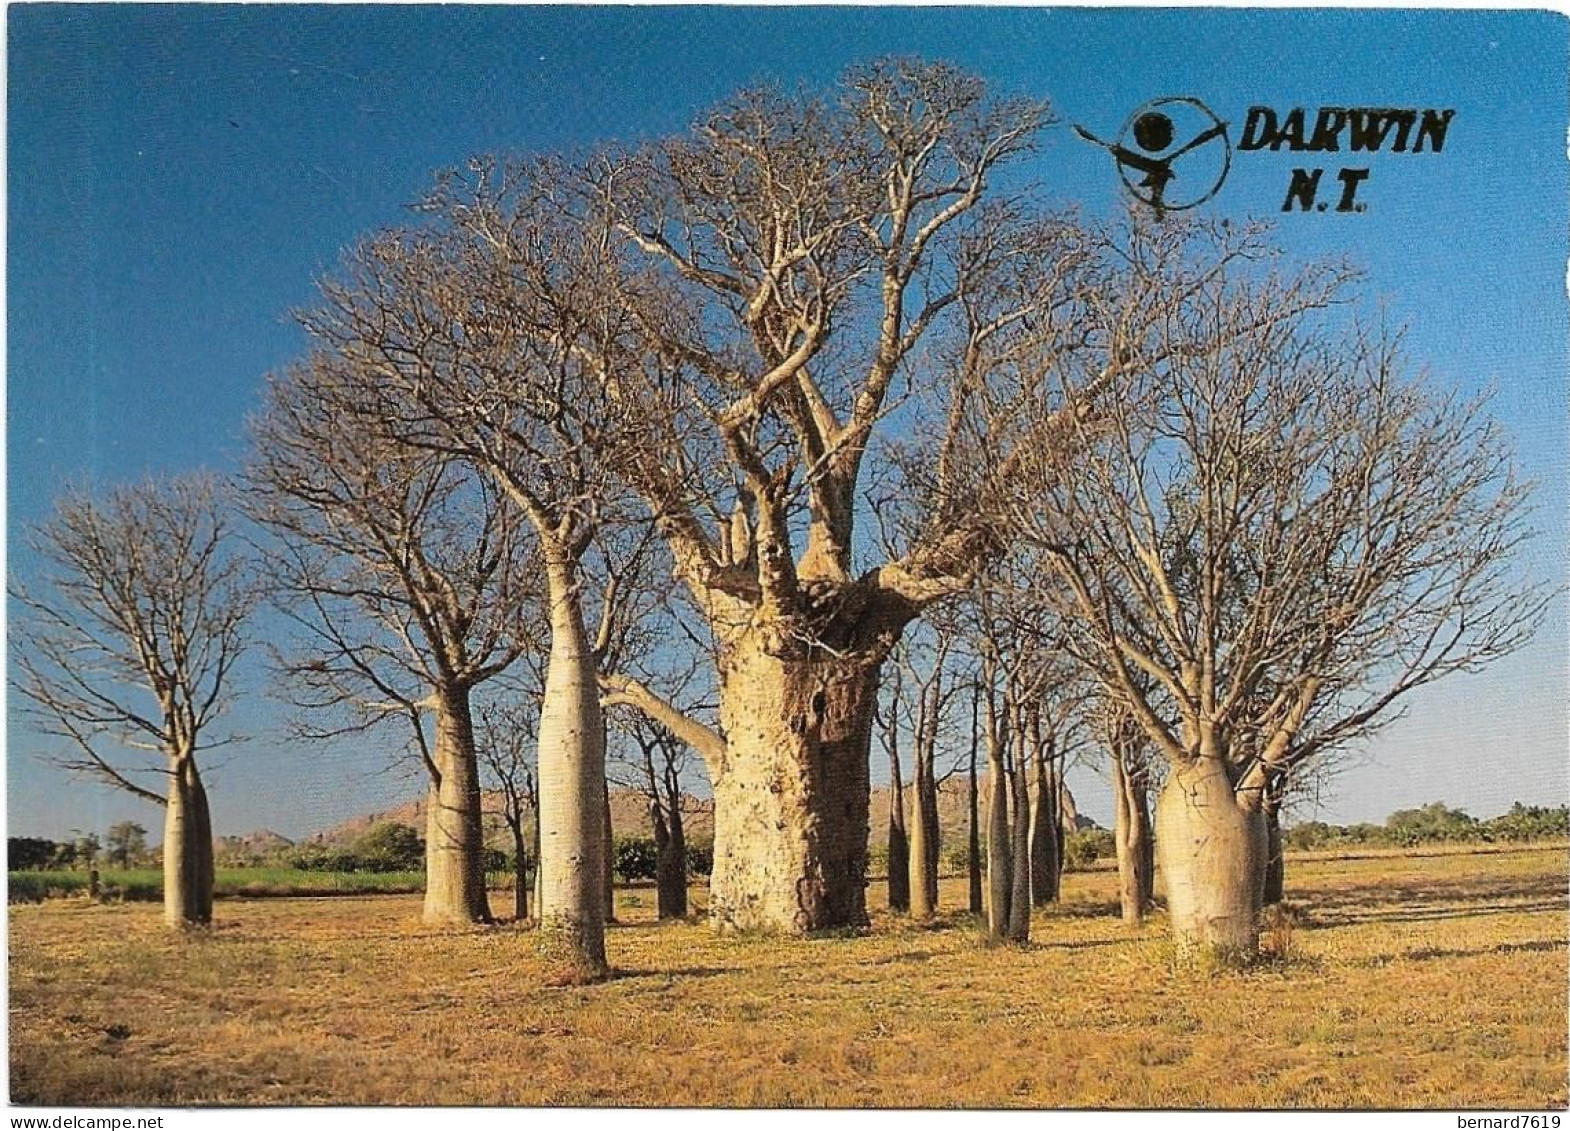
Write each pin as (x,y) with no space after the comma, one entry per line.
(179,176)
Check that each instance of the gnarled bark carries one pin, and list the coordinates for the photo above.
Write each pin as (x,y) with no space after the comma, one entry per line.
(188,849)
(454,834)
(792,797)
(1212,852)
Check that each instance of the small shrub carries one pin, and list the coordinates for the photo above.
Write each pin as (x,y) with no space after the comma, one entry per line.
(30,853)
(28,887)
(700,857)
(390,847)
(1083,847)
(635,858)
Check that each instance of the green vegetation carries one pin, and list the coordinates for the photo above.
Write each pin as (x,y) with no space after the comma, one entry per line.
(636,858)
(1082,848)
(385,847)
(146,884)
(1435,823)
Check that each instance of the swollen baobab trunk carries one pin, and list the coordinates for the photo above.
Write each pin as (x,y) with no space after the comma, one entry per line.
(1046,828)
(188,849)
(791,805)
(454,834)
(1211,850)
(572,787)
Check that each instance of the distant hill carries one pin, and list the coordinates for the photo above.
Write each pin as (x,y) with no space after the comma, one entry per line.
(630,816)
(252,846)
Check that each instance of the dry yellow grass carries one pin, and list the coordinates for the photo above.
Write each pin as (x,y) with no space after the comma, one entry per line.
(1412,981)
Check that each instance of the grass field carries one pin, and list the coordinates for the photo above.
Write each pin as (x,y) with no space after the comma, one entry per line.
(1408,981)
(147,884)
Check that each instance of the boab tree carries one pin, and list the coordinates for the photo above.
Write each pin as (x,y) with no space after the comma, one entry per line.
(508,727)
(1034,698)
(899,864)
(1270,540)
(933,690)
(132,643)
(482,335)
(656,768)
(814,270)
(411,583)
(1133,768)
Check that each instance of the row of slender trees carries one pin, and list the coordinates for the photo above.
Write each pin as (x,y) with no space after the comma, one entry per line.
(752,400)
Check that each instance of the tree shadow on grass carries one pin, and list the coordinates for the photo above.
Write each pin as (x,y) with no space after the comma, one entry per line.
(1083,944)
(1317,918)
(619,973)
(1430,900)
(903,957)
(1431,953)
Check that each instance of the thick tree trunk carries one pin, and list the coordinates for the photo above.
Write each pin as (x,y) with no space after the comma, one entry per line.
(454,834)
(1212,852)
(572,787)
(791,801)
(610,855)
(999,874)
(900,885)
(1045,815)
(1019,895)
(1131,837)
(973,862)
(1275,860)
(920,893)
(931,848)
(188,849)
(671,868)
(924,841)
(520,873)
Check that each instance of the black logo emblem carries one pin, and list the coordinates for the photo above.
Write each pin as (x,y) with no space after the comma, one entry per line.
(1172,153)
